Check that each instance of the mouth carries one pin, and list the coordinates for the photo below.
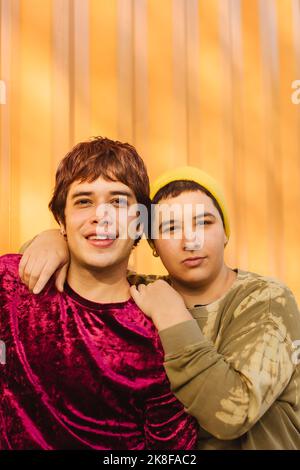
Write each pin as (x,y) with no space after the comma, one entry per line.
(101,240)
(194,261)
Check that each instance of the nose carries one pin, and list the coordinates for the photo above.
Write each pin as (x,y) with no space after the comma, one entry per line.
(103,215)
(193,240)
(101,221)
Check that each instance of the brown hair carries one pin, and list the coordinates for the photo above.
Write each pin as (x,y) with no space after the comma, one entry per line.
(113,160)
(175,188)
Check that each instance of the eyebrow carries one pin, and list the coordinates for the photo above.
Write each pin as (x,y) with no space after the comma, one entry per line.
(82,193)
(205,214)
(112,193)
(196,217)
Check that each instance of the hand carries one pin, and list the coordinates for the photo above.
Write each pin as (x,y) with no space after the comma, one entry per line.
(47,253)
(162,303)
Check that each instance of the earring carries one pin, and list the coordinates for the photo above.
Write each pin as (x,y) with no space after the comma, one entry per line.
(63,233)
(154,252)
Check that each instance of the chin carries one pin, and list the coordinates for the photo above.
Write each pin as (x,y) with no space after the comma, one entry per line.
(96,262)
(192,278)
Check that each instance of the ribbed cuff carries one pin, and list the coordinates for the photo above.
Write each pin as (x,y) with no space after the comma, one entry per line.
(180,336)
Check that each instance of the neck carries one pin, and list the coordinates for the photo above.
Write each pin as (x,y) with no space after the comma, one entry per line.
(107,285)
(206,292)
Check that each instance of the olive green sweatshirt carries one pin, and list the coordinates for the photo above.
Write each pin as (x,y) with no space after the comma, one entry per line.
(234,366)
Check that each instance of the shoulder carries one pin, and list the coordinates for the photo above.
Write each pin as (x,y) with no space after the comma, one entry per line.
(263,288)
(267,300)
(10,280)
(136,278)
(10,260)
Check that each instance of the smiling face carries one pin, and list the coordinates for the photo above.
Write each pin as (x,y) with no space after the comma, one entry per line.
(96,223)
(186,261)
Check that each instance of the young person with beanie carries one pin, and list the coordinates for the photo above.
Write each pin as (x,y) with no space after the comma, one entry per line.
(229,335)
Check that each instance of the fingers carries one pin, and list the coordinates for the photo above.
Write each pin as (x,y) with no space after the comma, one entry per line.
(45,254)
(34,272)
(31,271)
(134,292)
(40,279)
(22,265)
(61,277)
(141,288)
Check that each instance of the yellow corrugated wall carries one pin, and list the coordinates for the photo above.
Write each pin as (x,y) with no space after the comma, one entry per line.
(206,83)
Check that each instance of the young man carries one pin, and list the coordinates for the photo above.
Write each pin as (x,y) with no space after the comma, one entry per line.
(230,337)
(84,368)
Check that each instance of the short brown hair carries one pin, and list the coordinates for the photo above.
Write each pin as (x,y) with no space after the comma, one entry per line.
(113,160)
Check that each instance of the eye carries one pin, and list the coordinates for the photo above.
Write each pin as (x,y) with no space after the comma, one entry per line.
(120,202)
(170,228)
(83,202)
(204,222)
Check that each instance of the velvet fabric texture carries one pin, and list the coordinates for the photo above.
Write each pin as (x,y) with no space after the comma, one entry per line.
(82,375)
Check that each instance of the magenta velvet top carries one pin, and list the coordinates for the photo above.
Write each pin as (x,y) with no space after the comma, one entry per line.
(82,375)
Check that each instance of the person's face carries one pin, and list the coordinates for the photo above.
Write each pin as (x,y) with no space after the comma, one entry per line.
(97,221)
(188,261)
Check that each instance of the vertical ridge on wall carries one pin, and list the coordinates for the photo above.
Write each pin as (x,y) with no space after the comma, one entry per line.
(125,70)
(227,131)
(81,58)
(273,161)
(104,69)
(211,88)
(160,66)
(35,137)
(193,83)
(238,130)
(61,86)
(232,138)
(180,83)
(140,77)
(5,125)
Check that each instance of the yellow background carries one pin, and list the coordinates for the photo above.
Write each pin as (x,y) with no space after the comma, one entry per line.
(200,82)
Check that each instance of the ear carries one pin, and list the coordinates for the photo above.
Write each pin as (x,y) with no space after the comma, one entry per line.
(155,249)
(62,229)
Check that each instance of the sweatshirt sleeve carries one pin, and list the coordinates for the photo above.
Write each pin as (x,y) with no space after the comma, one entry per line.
(229,387)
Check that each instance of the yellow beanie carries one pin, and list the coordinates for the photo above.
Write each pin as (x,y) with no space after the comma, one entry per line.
(191,173)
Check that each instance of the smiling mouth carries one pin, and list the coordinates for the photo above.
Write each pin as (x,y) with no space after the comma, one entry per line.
(101,240)
(102,237)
